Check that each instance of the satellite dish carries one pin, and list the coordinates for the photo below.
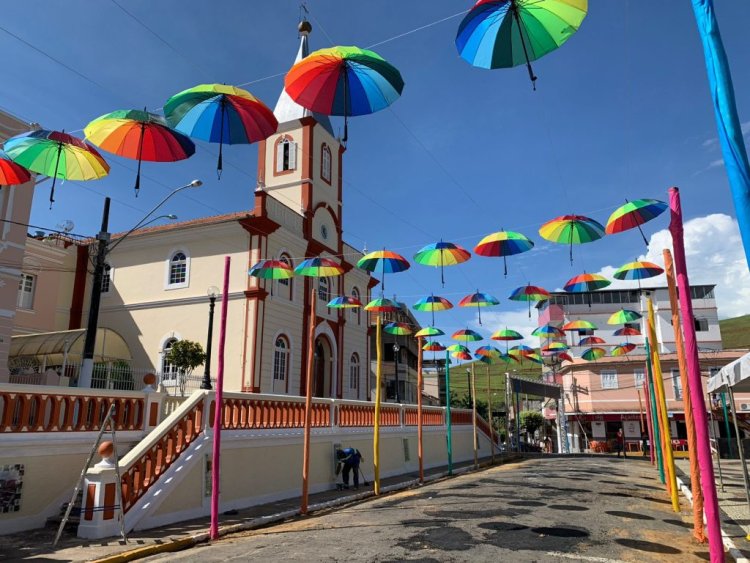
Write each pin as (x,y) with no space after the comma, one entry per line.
(66,226)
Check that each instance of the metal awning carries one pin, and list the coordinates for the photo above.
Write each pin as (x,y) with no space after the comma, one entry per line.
(736,374)
(54,346)
(535,387)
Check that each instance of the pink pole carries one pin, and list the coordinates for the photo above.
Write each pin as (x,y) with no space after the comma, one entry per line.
(650,426)
(695,385)
(218,410)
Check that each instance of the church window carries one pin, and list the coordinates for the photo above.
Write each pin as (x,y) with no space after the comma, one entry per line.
(324,290)
(281,359)
(286,155)
(325,163)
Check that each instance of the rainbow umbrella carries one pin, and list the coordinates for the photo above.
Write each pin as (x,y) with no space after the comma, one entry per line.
(433,346)
(139,135)
(623,316)
(506,334)
(508,33)
(484,359)
(488,351)
(429,331)
(520,350)
(555,347)
(12,174)
(346,81)
(218,113)
(271,270)
(579,324)
(57,155)
(382,305)
(465,356)
(318,267)
(627,331)
(547,331)
(593,354)
(529,293)
(458,348)
(586,282)
(431,304)
(638,270)
(591,340)
(384,260)
(623,349)
(442,254)
(571,229)
(534,357)
(466,335)
(503,243)
(344,302)
(479,300)
(399,329)
(634,214)
(564,356)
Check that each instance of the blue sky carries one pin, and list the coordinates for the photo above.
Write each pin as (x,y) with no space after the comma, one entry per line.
(622,110)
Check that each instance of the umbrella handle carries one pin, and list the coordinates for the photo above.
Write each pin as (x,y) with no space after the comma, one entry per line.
(219,167)
(140,155)
(505,266)
(346,104)
(532,76)
(54,176)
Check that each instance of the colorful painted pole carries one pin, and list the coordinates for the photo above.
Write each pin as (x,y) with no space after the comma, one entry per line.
(640,409)
(695,472)
(650,425)
(695,385)
(308,402)
(727,121)
(378,377)
(656,442)
(668,456)
(474,416)
(489,416)
(420,384)
(449,434)
(726,424)
(219,410)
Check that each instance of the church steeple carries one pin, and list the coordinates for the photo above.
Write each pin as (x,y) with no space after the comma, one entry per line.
(287,109)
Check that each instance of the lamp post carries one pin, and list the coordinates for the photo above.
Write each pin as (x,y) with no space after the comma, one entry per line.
(396,349)
(104,248)
(213,293)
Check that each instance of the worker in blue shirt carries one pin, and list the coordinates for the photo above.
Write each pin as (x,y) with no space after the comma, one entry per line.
(348,459)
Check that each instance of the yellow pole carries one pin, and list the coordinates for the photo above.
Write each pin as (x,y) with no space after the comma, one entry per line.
(376,430)
(669,459)
(474,415)
(489,416)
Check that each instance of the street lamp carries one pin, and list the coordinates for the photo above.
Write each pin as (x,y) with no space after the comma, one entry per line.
(103,238)
(213,293)
(396,348)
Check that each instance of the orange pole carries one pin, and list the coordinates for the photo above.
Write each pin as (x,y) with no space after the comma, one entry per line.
(420,383)
(695,471)
(308,404)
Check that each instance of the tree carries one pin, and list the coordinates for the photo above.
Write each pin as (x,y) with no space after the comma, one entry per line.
(532,421)
(185,356)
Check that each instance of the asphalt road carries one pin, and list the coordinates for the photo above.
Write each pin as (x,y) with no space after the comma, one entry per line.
(547,509)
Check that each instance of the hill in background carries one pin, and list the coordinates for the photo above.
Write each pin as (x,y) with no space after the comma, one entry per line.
(735,333)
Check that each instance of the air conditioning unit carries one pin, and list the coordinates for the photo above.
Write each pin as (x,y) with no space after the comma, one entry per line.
(744,407)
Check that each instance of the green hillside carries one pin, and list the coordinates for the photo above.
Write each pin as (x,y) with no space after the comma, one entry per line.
(735,333)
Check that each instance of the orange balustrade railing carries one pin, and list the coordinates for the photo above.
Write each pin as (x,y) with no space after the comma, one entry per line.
(429,417)
(460,416)
(57,412)
(251,413)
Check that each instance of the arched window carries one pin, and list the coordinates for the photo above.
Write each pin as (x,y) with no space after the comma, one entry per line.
(325,163)
(357,311)
(285,285)
(280,359)
(286,155)
(106,278)
(354,371)
(324,289)
(178,269)
(168,370)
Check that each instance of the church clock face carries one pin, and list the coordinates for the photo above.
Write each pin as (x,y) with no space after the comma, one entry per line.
(324,232)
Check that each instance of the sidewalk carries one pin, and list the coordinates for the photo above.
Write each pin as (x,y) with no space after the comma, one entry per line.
(37,544)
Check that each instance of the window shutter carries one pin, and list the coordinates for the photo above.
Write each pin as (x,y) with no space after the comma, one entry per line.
(292,156)
(280,157)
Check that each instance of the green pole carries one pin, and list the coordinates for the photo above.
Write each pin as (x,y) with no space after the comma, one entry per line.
(726,424)
(448,410)
(654,414)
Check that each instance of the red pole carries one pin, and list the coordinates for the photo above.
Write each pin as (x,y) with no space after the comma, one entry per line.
(420,381)
(308,403)
(218,410)
(695,385)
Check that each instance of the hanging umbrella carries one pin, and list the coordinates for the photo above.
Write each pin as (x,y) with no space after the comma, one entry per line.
(484,359)
(479,300)
(346,81)
(218,113)
(571,229)
(57,155)
(466,335)
(593,354)
(586,282)
(547,331)
(384,260)
(623,316)
(508,33)
(344,302)
(591,340)
(457,348)
(555,347)
(638,270)
(579,324)
(318,268)
(623,349)
(442,254)
(520,350)
(529,293)
(139,135)
(506,334)
(465,356)
(271,270)
(382,305)
(429,331)
(634,214)
(534,357)
(431,304)
(503,243)
(12,174)
(488,351)
(627,331)
(564,357)
(433,346)
(399,329)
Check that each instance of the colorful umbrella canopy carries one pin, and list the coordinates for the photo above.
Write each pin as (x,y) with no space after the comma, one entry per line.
(555,347)
(586,282)
(429,331)
(520,350)
(484,359)
(344,302)
(639,270)
(571,229)
(457,348)
(590,341)
(479,300)
(548,331)
(399,329)
(346,81)
(503,243)
(318,267)
(508,33)
(218,113)
(488,351)
(579,324)
(466,335)
(534,357)
(57,155)
(431,304)
(382,305)
(271,270)
(564,356)
(634,214)
(12,174)
(623,316)
(593,354)
(506,334)
(442,254)
(433,346)
(384,260)
(623,349)
(139,135)
(466,356)
(529,293)
(627,331)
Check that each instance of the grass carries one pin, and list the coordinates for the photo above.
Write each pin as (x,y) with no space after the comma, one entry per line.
(735,333)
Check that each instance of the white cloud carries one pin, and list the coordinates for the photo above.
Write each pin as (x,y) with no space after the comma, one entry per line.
(714,141)
(517,320)
(714,254)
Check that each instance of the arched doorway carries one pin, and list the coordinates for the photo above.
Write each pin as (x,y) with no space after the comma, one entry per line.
(322,367)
